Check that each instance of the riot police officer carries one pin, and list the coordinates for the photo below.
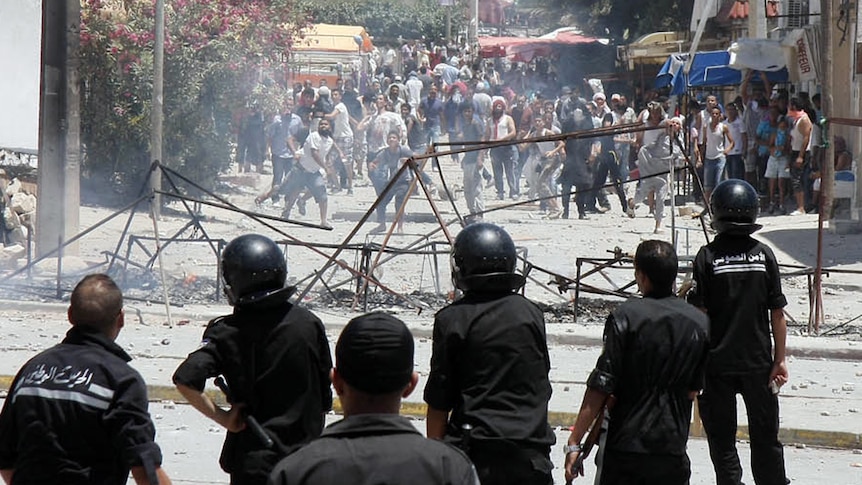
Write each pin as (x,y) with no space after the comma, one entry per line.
(736,282)
(488,389)
(274,357)
(373,444)
(77,412)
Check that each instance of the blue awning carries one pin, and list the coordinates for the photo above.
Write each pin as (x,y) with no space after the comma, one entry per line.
(708,69)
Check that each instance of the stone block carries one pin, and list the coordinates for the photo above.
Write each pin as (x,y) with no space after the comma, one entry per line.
(18,235)
(9,255)
(13,188)
(11,219)
(23,203)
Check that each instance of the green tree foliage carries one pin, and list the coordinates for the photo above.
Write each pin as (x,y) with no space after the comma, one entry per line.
(220,57)
(625,20)
(388,19)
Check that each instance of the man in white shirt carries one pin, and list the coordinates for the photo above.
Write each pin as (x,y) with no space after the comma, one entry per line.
(379,125)
(739,133)
(501,127)
(308,173)
(601,105)
(342,134)
(414,89)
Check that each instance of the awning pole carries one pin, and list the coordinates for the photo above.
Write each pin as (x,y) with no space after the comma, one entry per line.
(710,5)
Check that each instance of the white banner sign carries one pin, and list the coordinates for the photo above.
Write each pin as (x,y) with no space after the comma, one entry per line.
(805,55)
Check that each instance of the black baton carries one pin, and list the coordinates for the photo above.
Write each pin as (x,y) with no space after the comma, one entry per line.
(252,423)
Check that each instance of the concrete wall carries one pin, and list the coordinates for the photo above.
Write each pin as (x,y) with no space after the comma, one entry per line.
(20,45)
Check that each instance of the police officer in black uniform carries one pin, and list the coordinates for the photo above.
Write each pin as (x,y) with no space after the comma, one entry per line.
(737,283)
(652,362)
(488,389)
(274,357)
(373,444)
(77,412)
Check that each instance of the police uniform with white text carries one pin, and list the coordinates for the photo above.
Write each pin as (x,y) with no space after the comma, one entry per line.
(77,414)
(737,281)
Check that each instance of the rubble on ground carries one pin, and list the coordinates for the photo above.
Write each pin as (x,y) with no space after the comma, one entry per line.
(17,214)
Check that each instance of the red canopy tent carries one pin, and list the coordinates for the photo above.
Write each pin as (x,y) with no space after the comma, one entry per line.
(524,49)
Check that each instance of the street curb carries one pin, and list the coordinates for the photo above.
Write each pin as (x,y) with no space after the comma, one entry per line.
(555,336)
(788,436)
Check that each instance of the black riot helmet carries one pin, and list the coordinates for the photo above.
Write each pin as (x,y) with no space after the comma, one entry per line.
(735,205)
(253,267)
(483,259)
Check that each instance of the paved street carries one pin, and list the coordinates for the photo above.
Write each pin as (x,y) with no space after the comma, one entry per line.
(191,445)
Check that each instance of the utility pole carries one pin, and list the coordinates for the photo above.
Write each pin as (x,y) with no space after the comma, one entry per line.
(474,24)
(449,23)
(72,167)
(827,173)
(827,106)
(58,174)
(157,115)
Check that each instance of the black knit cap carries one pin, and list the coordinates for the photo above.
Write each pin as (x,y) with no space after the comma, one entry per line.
(374,353)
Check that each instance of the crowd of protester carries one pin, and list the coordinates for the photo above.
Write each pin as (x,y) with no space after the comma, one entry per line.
(421,95)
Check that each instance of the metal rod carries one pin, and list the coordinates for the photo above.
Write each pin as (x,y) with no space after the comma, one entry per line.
(331,258)
(141,193)
(398,215)
(74,238)
(157,103)
(161,265)
(827,166)
(449,193)
(577,290)
(191,213)
(245,212)
(594,133)
(59,266)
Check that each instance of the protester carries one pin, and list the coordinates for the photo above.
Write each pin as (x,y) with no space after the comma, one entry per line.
(575,170)
(381,171)
(281,135)
(472,163)
(717,145)
(605,162)
(307,175)
(654,163)
(739,134)
(777,169)
(501,127)
(800,154)
(342,134)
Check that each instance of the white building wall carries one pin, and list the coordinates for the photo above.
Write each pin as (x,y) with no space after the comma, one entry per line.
(20,46)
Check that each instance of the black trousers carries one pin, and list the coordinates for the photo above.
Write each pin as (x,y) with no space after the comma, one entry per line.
(621,468)
(608,165)
(502,462)
(718,412)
